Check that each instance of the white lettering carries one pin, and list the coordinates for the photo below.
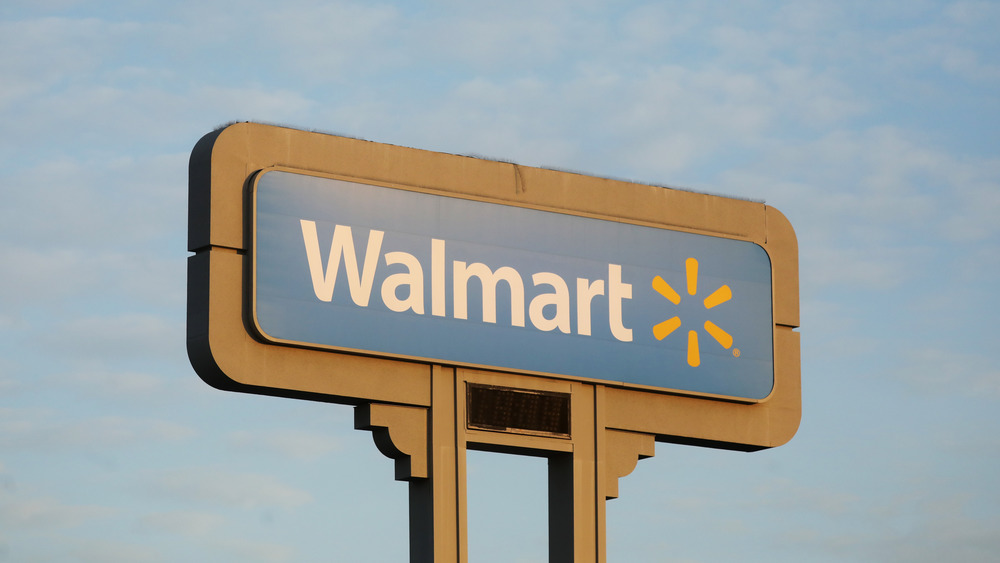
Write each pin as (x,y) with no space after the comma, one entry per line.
(461,275)
(585,292)
(342,245)
(616,292)
(437,277)
(559,299)
(403,291)
(413,278)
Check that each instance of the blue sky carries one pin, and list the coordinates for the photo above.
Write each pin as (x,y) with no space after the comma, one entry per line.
(872,125)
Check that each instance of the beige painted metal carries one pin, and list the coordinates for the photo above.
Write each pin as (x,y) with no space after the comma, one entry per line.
(417,411)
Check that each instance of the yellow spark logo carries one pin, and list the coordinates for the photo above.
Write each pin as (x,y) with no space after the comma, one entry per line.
(718,297)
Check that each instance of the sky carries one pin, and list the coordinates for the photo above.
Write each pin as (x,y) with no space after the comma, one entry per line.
(873,126)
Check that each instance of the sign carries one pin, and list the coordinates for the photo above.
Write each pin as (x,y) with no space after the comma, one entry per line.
(461,303)
(341,270)
(364,268)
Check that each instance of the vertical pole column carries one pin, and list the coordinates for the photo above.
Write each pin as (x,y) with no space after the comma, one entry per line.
(601,475)
(576,506)
(438,530)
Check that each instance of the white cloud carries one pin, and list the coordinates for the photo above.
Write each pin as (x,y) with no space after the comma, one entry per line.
(79,232)
(659,122)
(651,28)
(88,85)
(24,429)
(364,33)
(975,201)
(785,494)
(127,335)
(875,209)
(924,528)
(36,275)
(263,104)
(243,549)
(103,551)
(120,385)
(142,192)
(183,522)
(506,39)
(209,532)
(72,279)
(871,267)
(10,384)
(935,369)
(47,513)
(286,443)
(53,51)
(972,12)
(230,489)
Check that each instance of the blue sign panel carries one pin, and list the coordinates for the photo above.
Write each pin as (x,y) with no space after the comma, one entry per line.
(401,273)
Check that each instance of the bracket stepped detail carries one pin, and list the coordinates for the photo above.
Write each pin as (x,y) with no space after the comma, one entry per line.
(400,433)
(624,450)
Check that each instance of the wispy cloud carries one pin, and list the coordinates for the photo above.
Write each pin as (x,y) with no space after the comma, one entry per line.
(47,430)
(183,522)
(219,487)
(288,443)
(47,513)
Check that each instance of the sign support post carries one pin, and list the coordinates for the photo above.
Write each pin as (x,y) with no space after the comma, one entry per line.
(429,448)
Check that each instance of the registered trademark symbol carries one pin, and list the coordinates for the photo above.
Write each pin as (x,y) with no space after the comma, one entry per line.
(736,352)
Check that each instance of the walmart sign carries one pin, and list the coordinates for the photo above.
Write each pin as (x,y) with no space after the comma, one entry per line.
(401,273)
